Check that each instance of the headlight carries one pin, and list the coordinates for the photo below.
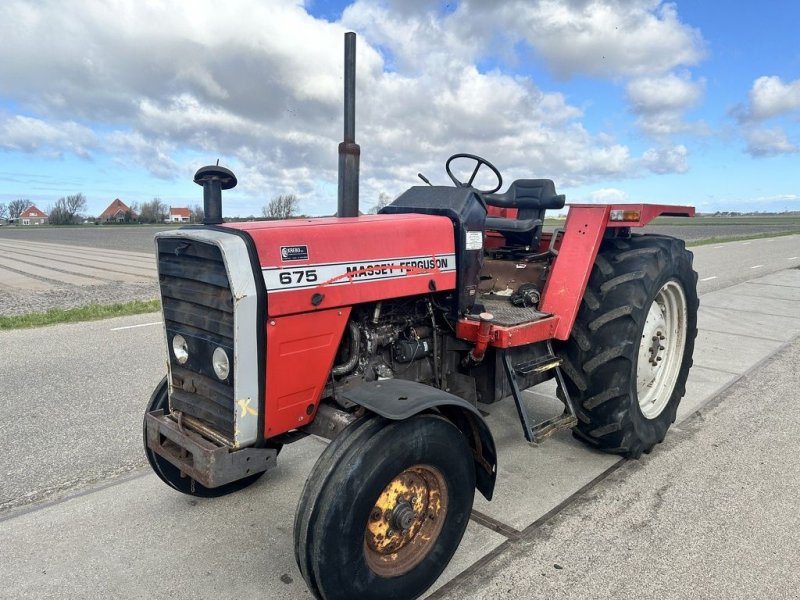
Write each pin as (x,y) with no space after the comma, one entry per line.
(180,348)
(222,365)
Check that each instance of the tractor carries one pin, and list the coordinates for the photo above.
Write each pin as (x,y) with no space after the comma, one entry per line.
(385,333)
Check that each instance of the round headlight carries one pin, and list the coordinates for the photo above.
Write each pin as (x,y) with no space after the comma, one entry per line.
(222,365)
(180,348)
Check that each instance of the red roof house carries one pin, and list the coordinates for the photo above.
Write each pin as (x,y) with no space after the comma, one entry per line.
(118,212)
(32,216)
(179,215)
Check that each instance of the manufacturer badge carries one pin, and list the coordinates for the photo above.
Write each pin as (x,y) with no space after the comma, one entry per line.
(294,253)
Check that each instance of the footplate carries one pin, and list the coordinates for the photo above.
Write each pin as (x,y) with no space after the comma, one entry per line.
(204,460)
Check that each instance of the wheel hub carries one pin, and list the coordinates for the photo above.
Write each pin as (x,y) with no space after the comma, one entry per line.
(661,349)
(406,521)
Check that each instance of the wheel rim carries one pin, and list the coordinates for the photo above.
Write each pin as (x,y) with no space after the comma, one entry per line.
(405,521)
(661,349)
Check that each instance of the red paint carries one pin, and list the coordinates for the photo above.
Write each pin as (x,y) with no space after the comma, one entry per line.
(337,243)
(648,212)
(507,337)
(569,274)
(300,354)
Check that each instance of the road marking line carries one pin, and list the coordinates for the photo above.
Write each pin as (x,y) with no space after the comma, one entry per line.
(134,326)
(756,266)
(793,258)
(715,247)
(708,278)
(745,243)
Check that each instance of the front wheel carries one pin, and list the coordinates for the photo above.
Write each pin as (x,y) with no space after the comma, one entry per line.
(384,509)
(629,354)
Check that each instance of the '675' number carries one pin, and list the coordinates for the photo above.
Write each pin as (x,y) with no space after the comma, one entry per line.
(303,275)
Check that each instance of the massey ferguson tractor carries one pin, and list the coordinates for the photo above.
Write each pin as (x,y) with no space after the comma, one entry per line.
(385,333)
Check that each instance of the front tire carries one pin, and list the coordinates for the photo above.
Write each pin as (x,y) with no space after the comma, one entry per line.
(630,351)
(384,509)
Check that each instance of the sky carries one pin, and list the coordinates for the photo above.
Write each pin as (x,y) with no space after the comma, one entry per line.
(616,101)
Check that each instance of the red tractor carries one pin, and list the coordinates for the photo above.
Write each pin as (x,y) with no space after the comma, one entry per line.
(383,333)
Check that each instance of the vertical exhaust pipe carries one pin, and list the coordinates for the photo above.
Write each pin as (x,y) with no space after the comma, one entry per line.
(349,151)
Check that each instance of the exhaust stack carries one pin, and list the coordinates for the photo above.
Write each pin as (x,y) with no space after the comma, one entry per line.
(349,151)
(214,179)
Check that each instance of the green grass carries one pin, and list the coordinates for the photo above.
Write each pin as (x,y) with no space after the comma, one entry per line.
(92,312)
(738,238)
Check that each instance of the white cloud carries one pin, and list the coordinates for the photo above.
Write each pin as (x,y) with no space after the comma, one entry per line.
(763,142)
(263,93)
(608,196)
(660,102)
(669,93)
(770,97)
(602,38)
(667,159)
(28,134)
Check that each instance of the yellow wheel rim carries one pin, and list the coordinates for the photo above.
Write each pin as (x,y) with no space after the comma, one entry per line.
(405,521)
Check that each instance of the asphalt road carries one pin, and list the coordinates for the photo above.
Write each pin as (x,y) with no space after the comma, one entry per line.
(72,401)
(82,387)
(711,514)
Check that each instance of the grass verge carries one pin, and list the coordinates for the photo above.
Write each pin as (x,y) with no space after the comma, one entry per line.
(92,312)
(739,238)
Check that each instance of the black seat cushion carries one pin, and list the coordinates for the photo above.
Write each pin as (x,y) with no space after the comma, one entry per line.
(537,194)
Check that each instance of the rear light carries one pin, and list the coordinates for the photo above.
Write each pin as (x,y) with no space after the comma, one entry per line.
(625,215)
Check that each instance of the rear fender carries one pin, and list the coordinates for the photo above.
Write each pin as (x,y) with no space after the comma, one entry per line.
(398,399)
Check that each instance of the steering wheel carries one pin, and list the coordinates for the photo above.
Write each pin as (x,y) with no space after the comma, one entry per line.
(479,163)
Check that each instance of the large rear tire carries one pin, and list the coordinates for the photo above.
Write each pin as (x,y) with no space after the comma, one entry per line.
(384,509)
(630,351)
(169,473)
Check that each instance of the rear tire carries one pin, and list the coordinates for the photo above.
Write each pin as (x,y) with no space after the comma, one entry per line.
(169,473)
(630,351)
(384,509)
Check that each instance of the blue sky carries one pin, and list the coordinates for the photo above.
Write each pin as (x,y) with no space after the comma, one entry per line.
(632,101)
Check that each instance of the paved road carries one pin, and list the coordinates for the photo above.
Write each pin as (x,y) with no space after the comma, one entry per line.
(72,399)
(711,514)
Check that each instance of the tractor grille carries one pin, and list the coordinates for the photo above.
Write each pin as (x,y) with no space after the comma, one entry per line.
(198,304)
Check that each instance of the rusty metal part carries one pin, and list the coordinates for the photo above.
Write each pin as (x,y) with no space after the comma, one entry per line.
(355,345)
(406,521)
(206,462)
(199,426)
(329,422)
(655,348)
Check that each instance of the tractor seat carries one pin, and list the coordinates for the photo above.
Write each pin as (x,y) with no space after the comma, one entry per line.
(531,197)
(536,194)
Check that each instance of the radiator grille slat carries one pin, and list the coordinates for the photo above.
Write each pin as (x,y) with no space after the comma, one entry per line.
(198,304)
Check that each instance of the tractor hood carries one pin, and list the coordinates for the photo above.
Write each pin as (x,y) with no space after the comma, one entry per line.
(317,264)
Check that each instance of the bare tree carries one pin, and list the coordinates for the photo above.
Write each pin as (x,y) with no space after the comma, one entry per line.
(132,213)
(15,207)
(3,212)
(384,200)
(67,210)
(281,207)
(154,211)
(197,214)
